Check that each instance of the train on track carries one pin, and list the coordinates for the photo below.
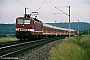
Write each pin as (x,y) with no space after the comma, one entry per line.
(32,28)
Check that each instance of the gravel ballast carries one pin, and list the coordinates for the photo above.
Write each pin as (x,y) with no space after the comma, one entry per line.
(39,53)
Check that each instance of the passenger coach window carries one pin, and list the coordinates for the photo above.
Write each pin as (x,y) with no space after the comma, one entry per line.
(26,21)
(20,21)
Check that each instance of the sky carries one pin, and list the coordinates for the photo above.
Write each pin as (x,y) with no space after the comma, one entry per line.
(79,10)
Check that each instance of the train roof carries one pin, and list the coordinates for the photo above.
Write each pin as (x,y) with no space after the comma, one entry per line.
(22,18)
(50,26)
(30,18)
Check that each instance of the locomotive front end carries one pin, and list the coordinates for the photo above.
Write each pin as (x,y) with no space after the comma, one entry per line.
(23,27)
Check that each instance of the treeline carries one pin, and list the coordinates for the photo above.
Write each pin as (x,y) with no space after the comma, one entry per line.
(85,32)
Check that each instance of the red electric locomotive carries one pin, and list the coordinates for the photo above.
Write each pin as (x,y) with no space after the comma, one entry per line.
(28,28)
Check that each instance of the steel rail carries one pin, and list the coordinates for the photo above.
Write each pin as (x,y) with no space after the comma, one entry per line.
(33,44)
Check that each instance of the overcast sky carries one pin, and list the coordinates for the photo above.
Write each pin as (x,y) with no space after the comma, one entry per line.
(11,9)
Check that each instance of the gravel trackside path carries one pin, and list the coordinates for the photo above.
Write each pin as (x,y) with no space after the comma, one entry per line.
(39,53)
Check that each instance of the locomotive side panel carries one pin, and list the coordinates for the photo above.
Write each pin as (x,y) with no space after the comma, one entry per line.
(37,26)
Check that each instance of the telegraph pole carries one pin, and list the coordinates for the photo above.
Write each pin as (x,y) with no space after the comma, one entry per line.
(86,32)
(68,18)
(69,21)
(78,27)
(55,25)
(88,29)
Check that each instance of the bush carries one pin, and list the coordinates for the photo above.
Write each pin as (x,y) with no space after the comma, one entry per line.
(3,36)
(75,48)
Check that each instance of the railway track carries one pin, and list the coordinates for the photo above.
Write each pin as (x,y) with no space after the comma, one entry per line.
(10,43)
(13,50)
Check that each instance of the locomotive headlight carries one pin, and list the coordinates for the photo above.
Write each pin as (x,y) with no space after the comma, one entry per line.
(28,29)
(17,29)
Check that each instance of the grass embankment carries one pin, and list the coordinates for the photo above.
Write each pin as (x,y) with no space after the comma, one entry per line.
(75,48)
(7,39)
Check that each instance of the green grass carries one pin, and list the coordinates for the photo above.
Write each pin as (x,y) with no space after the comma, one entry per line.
(7,39)
(75,48)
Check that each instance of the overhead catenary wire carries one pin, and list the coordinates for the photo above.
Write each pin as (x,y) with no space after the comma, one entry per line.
(51,3)
(62,11)
(25,6)
(54,7)
(20,3)
(48,5)
(36,9)
(51,8)
(41,9)
(59,9)
(38,6)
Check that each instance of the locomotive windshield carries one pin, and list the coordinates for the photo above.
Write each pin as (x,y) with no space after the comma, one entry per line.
(23,21)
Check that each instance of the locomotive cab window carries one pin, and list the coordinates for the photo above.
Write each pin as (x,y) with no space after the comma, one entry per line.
(23,21)
(20,21)
(26,21)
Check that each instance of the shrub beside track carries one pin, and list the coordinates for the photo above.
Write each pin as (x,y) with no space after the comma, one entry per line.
(74,48)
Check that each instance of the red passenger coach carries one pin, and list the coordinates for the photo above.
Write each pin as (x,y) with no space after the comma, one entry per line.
(49,30)
(28,28)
